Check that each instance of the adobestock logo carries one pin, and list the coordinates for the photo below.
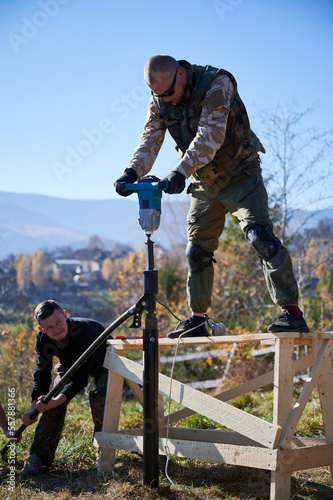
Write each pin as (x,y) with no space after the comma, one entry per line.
(30,27)
(121,107)
(75,155)
(225,6)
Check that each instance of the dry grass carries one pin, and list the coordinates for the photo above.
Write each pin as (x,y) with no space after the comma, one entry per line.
(74,474)
(194,480)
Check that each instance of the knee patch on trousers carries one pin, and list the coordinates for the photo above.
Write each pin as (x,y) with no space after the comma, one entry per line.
(263,241)
(198,258)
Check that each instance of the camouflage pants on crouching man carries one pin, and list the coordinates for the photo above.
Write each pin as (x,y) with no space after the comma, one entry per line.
(49,429)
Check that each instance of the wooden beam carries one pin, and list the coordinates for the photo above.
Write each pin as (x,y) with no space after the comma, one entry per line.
(111,417)
(283,381)
(210,436)
(305,458)
(202,435)
(283,403)
(134,343)
(248,456)
(325,390)
(304,442)
(136,389)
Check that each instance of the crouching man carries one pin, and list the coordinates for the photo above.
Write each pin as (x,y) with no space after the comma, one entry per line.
(66,339)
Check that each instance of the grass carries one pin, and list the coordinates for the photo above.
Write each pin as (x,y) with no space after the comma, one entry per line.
(73,474)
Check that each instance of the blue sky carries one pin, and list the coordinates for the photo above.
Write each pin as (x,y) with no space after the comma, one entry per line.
(73,99)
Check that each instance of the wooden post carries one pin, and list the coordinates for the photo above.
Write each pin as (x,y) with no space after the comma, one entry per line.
(111,416)
(283,404)
(325,389)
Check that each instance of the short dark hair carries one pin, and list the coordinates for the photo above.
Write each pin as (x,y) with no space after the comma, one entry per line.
(160,64)
(46,309)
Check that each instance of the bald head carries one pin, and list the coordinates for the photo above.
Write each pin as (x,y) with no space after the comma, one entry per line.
(159,67)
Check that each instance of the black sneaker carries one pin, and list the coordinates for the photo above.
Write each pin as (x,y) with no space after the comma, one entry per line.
(289,322)
(195,326)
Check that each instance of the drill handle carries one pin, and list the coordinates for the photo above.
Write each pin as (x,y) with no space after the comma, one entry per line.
(163,185)
(122,186)
(125,186)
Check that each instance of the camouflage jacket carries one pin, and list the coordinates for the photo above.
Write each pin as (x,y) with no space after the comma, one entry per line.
(210,126)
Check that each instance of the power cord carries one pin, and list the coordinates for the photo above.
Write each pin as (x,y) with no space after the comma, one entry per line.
(166,447)
(168,308)
(217,329)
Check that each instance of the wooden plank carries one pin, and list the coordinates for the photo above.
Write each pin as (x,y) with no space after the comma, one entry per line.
(283,403)
(127,368)
(210,436)
(161,426)
(289,428)
(305,458)
(283,381)
(202,435)
(248,456)
(111,417)
(136,389)
(318,335)
(303,442)
(325,390)
(302,339)
(252,385)
(253,427)
(134,343)
(280,486)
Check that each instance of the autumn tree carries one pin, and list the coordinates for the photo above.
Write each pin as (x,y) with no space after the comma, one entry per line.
(297,162)
(24,273)
(126,287)
(126,283)
(95,245)
(8,288)
(107,269)
(318,284)
(173,227)
(39,270)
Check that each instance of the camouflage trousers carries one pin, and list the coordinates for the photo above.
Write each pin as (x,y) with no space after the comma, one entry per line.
(246,198)
(49,428)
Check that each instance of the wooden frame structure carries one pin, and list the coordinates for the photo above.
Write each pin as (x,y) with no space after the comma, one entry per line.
(251,442)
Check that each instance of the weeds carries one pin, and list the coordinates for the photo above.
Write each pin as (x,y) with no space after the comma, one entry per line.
(74,474)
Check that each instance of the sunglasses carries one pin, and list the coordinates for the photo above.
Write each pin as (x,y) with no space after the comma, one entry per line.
(170,91)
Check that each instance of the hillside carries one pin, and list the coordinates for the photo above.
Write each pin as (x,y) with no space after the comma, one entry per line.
(30,222)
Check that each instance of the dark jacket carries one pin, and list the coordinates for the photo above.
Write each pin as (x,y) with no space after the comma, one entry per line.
(81,334)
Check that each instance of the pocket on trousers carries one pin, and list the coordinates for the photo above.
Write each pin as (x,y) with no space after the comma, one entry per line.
(246,187)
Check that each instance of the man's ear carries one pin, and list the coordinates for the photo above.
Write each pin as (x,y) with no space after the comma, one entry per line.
(182,73)
(40,328)
(65,314)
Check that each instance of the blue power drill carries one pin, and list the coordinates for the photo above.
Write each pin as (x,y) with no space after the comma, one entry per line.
(149,189)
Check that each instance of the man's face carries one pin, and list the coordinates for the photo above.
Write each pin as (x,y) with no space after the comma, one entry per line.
(164,83)
(55,326)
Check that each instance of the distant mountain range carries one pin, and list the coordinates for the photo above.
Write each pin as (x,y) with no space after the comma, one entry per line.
(31,222)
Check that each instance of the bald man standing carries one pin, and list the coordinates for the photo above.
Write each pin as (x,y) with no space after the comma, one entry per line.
(203,112)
